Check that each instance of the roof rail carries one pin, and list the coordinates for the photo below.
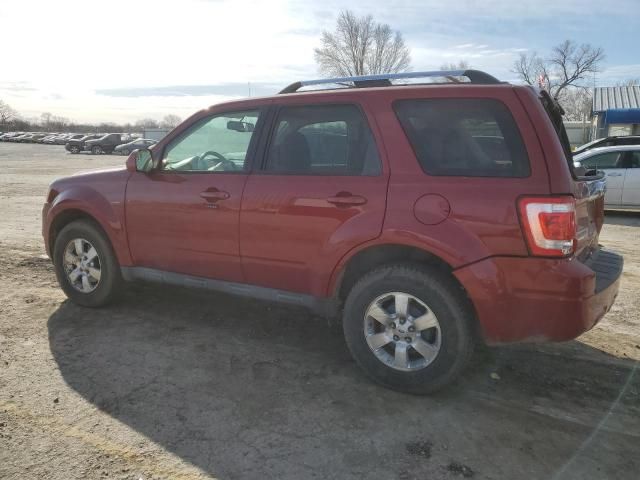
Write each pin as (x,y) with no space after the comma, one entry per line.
(384,80)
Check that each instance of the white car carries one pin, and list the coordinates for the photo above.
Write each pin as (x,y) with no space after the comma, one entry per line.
(621,165)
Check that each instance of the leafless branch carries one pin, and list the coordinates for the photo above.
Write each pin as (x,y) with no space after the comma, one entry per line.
(7,114)
(360,46)
(569,65)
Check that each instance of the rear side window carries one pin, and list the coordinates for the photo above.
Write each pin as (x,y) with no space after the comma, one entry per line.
(464,137)
(322,140)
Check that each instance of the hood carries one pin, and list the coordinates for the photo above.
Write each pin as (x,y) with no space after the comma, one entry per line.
(91,178)
(100,172)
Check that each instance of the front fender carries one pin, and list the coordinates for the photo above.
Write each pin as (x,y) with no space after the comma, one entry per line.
(106,208)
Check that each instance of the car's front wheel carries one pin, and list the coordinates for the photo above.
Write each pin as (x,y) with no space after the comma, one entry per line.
(409,328)
(85,264)
(74,149)
(96,150)
(124,151)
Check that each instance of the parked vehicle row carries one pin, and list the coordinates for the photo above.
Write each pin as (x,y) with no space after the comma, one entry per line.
(122,143)
(23,137)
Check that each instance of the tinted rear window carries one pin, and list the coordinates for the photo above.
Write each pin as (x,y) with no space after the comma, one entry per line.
(464,137)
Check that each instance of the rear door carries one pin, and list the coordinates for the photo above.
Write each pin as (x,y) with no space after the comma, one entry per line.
(631,189)
(612,164)
(320,191)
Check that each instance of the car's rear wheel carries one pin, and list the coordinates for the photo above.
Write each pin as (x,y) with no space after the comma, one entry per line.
(409,328)
(74,149)
(86,267)
(96,150)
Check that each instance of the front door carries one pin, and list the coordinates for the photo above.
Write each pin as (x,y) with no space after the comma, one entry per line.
(183,217)
(320,192)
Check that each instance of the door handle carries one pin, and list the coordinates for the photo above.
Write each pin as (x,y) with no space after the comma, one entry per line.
(346,199)
(212,195)
(615,174)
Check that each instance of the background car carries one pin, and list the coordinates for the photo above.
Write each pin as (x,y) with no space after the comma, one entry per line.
(26,138)
(106,143)
(71,136)
(78,145)
(621,165)
(127,148)
(608,142)
(51,139)
(7,137)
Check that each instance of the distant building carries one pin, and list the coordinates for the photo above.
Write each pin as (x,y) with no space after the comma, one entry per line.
(615,111)
(578,132)
(155,133)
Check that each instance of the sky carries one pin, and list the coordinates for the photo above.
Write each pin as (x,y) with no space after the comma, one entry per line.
(120,61)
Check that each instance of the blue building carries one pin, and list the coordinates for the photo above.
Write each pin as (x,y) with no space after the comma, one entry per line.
(615,111)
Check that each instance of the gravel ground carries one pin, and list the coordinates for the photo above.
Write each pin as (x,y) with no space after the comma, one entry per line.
(177,384)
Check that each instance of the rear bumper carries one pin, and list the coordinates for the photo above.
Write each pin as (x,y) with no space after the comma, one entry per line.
(540,299)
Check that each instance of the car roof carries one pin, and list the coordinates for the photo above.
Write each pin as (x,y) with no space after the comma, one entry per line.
(391,92)
(598,150)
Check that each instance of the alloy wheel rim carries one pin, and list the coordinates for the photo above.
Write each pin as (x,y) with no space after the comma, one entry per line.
(402,331)
(82,265)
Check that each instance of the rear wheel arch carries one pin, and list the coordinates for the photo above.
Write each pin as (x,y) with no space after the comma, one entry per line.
(376,256)
(372,257)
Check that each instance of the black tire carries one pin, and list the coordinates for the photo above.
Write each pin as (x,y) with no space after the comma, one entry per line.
(110,282)
(74,149)
(124,151)
(444,298)
(96,150)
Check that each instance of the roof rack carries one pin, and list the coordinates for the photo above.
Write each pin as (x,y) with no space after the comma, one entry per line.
(384,80)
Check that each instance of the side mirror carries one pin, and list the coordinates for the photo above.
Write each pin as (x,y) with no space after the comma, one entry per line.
(140,161)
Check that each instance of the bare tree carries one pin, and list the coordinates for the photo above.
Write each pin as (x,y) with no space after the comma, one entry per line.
(576,103)
(45,118)
(361,46)
(147,123)
(568,65)
(170,121)
(7,114)
(461,65)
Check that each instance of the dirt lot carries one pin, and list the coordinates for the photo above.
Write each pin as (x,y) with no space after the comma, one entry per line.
(180,384)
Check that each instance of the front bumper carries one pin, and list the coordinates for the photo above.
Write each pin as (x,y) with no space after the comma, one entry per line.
(45,228)
(541,299)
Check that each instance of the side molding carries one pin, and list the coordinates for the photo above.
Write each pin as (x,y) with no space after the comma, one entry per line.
(326,307)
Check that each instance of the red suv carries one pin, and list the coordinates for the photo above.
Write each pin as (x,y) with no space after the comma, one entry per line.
(427,215)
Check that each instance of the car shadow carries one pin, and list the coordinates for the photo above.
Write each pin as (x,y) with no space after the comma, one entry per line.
(244,389)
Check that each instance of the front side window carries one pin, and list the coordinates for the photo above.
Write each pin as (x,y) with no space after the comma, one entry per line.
(603,160)
(464,137)
(217,144)
(322,140)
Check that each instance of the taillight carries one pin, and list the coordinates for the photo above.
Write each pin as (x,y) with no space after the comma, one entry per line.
(549,224)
